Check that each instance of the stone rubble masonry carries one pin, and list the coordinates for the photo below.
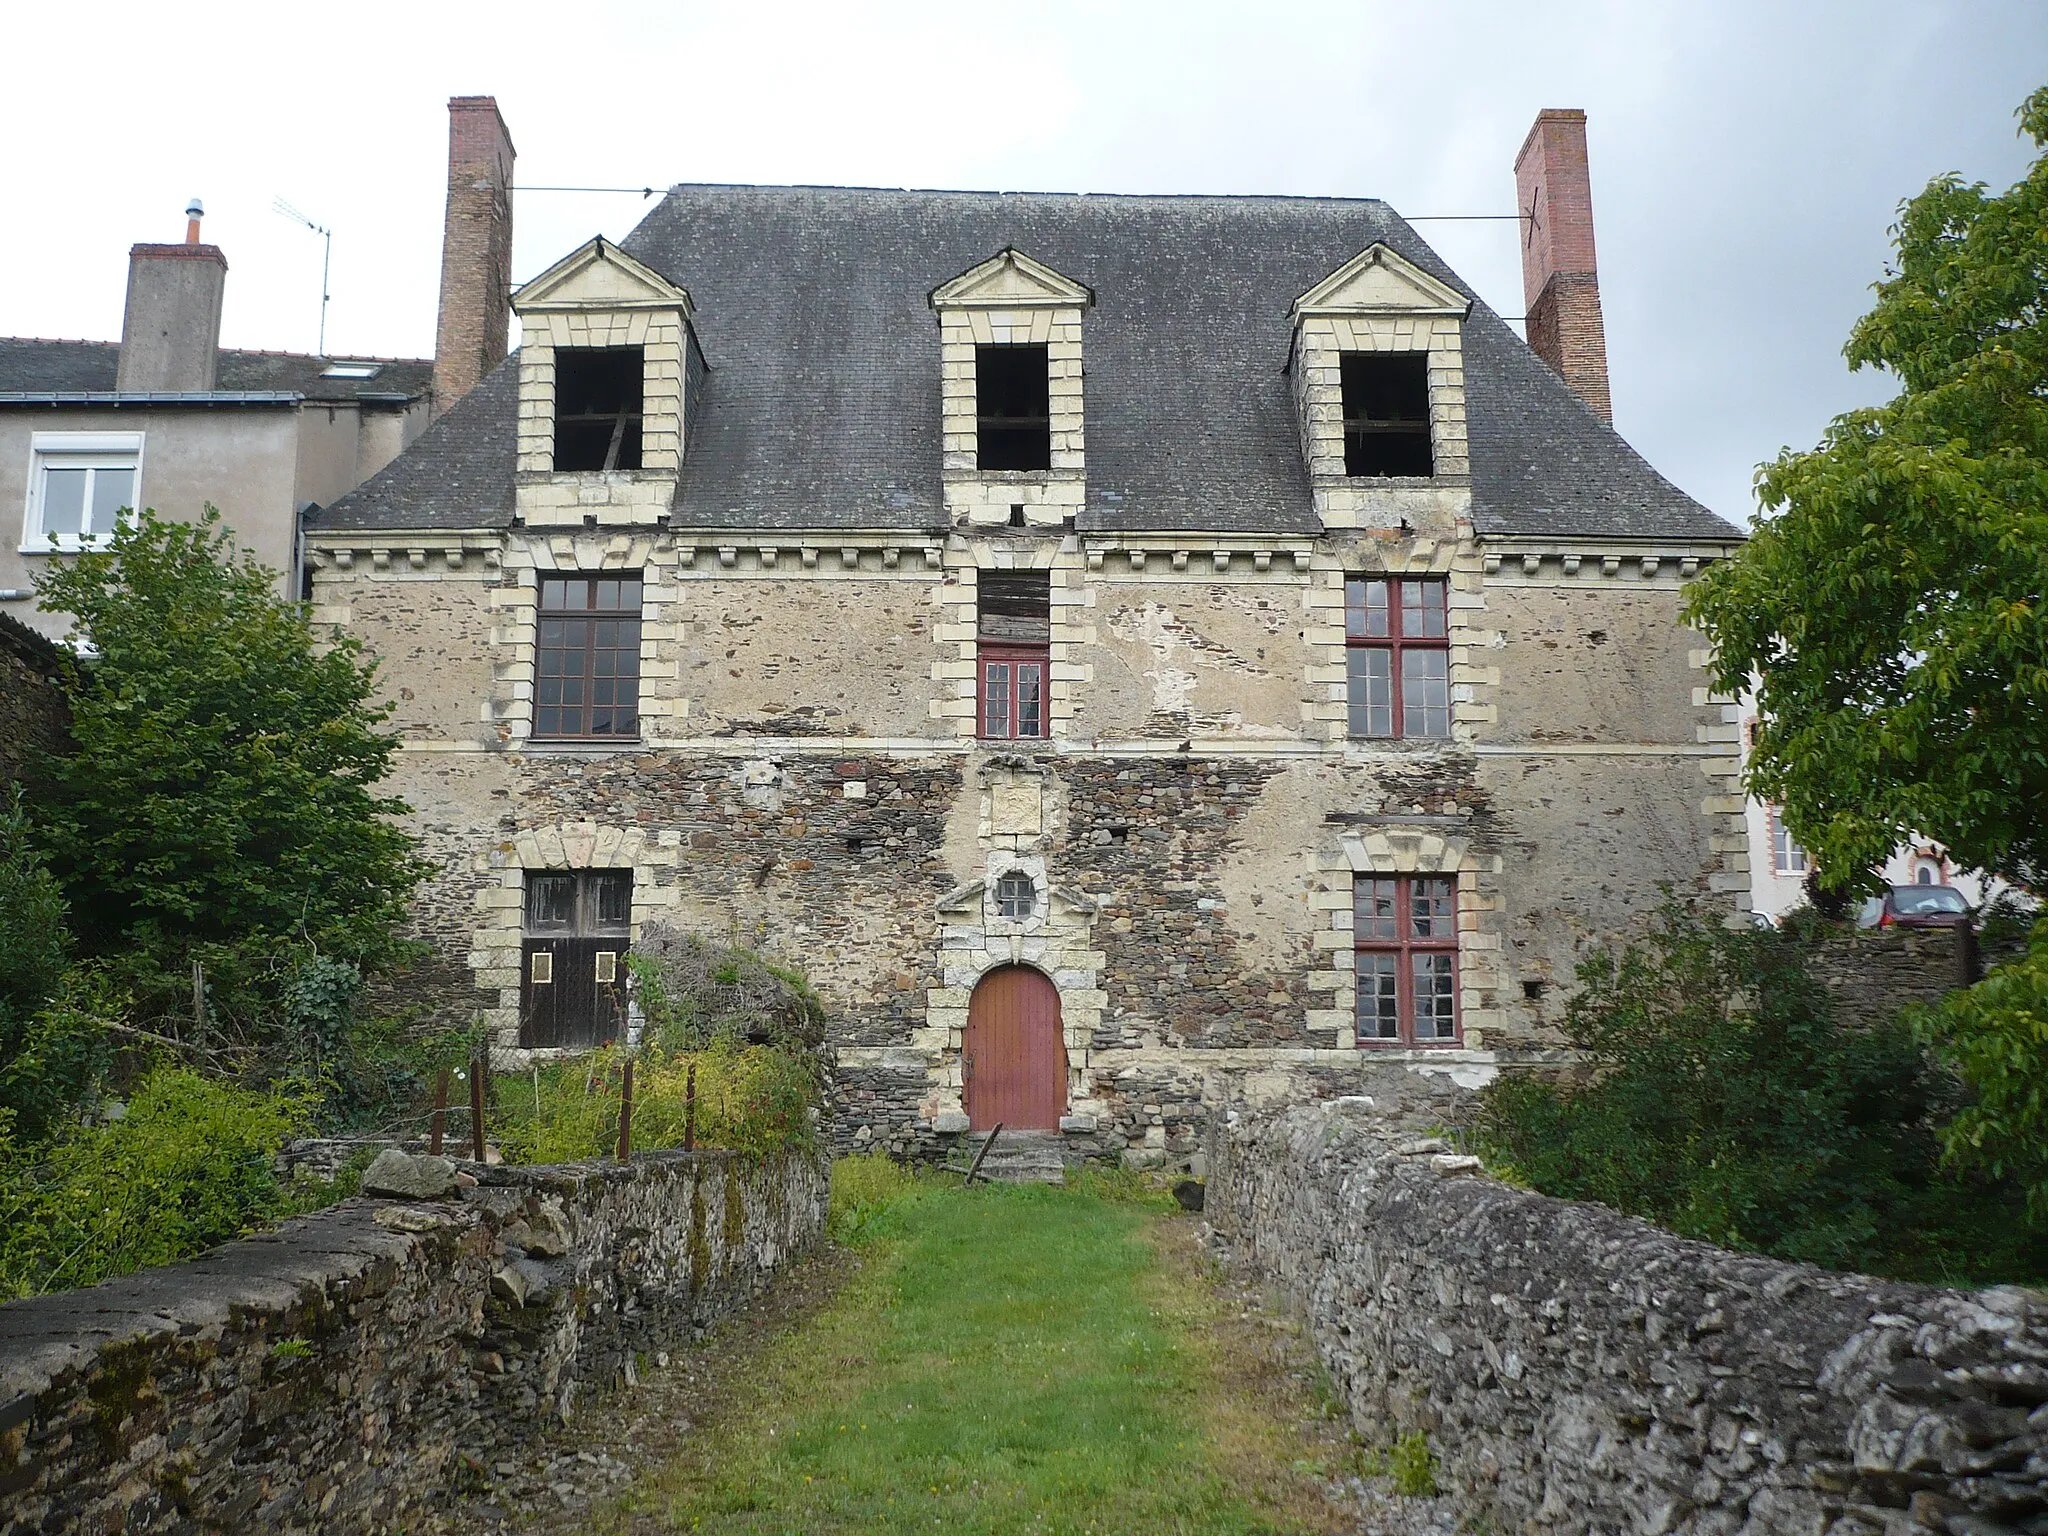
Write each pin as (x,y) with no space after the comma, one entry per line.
(34,715)
(1872,973)
(351,1368)
(476,249)
(1578,1370)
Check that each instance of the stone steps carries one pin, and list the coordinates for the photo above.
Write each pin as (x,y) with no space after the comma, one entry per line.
(1018,1157)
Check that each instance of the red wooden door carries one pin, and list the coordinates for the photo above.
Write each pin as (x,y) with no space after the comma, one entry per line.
(1013,1058)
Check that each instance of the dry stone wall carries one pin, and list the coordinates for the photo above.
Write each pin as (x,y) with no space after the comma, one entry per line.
(358,1364)
(34,716)
(1580,1371)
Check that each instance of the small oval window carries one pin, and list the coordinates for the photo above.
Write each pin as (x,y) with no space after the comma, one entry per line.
(1016,896)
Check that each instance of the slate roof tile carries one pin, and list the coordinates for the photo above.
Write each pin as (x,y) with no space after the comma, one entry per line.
(822,406)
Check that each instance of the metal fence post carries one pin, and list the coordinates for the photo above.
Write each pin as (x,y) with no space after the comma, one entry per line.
(476,1104)
(626,1114)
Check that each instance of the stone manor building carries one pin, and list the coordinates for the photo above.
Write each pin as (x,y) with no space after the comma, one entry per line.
(1129,651)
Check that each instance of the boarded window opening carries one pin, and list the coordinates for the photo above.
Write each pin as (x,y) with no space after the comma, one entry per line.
(1013,407)
(1015,626)
(1386,414)
(598,407)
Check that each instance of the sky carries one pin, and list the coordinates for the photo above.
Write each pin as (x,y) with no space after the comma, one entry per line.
(1747,158)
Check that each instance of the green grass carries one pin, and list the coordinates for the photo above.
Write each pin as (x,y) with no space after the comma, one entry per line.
(1005,1360)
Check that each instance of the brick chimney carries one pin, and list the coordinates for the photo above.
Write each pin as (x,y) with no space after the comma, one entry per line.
(476,249)
(1560,278)
(170,334)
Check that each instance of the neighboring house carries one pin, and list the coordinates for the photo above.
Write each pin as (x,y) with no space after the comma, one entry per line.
(167,418)
(1779,866)
(1128,650)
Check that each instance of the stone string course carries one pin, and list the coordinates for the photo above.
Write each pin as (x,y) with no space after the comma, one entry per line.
(357,1365)
(1580,1371)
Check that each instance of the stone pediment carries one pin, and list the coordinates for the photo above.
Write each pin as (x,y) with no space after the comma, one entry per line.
(598,276)
(1011,280)
(965,898)
(1379,281)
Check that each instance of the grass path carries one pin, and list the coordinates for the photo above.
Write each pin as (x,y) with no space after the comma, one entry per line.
(1005,1360)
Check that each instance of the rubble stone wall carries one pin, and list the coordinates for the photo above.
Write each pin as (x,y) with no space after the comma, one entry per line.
(1577,1370)
(34,716)
(360,1363)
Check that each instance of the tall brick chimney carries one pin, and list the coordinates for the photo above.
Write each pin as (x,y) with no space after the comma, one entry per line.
(1560,278)
(476,249)
(170,333)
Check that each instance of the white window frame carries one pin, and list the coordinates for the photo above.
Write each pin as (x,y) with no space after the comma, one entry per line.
(75,450)
(1784,846)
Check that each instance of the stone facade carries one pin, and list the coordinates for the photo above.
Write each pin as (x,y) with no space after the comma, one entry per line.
(356,1365)
(807,775)
(1580,1371)
(34,716)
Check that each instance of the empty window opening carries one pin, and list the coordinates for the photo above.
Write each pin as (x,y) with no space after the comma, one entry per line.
(1404,933)
(1016,895)
(1013,407)
(1397,657)
(1386,414)
(1015,634)
(1017,515)
(577,929)
(598,407)
(586,669)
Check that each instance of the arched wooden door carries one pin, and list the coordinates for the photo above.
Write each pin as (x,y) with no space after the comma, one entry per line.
(1013,1057)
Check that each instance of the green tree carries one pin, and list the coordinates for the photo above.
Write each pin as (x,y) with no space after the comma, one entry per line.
(1891,607)
(1728,1104)
(220,804)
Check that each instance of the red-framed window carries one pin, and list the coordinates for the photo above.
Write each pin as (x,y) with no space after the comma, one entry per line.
(1013,691)
(1397,654)
(586,670)
(1404,935)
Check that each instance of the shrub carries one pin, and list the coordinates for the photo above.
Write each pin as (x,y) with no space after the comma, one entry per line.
(1994,1036)
(190,1164)
(750,1098)
(1726,1104)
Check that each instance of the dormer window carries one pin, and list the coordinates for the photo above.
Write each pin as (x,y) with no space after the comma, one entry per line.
(1386,413)
(598,407)
(1013,407)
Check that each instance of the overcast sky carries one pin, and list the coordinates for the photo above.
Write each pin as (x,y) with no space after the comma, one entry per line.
(1747,157)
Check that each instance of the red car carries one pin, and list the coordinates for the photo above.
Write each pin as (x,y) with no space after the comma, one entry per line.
(1922,906)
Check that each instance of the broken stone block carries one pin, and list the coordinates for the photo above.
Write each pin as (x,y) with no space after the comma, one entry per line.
(950,1123)
(406,1177)
(1080,1125)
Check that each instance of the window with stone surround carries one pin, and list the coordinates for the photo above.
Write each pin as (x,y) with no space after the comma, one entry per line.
(1016,894)
(1386,413)
(1397,656)
(1014,628)
(598,407)
(1404,934)
(1013,406)
(586,675)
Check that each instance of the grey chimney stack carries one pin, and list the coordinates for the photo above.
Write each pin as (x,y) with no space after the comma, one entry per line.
(1560,278)
(170,334)
(476,250)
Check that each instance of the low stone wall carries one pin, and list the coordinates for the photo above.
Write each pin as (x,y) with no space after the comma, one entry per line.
(35,717)
(1580,1371)
(360,1363)
(1872,973)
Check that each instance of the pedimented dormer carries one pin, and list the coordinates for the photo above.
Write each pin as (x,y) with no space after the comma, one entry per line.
(1379,387)
(1010,351)
(608,373)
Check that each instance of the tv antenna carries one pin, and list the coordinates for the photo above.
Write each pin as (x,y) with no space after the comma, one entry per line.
(279,205)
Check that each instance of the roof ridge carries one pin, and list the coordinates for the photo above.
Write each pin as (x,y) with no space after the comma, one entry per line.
(1163,197)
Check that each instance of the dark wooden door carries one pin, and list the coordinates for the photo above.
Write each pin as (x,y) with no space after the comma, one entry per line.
(573,984)
(1013,1058)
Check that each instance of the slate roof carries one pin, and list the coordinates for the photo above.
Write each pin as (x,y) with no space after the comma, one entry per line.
(34,365)
(822,406)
